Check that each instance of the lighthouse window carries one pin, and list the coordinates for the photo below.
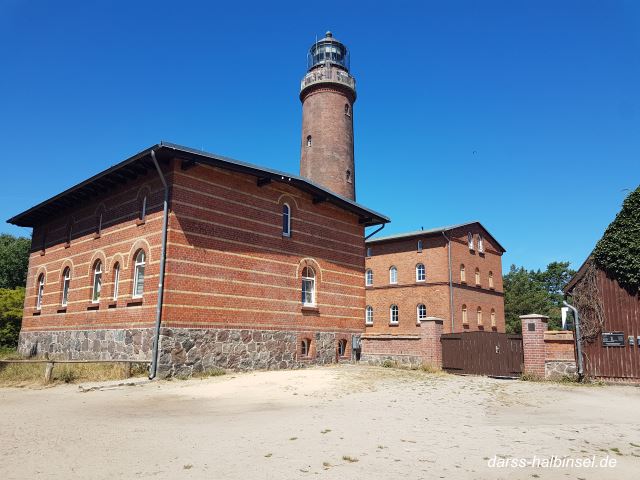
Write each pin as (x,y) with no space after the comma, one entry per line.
(347,109)
(308,140)
(349,176)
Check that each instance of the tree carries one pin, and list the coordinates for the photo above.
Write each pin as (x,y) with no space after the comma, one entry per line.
(11,303)
(14,261)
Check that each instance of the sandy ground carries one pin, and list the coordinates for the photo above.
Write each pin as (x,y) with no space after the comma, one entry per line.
(347,422)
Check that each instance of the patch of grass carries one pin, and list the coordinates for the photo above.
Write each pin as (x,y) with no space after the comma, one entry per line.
(326,430)
(326,464)
(616,450)
(293,438)
(7,353)
(210,372)
(634,445)
(430,368)
(389,364)
(268,455)
(350,459)
(188,466)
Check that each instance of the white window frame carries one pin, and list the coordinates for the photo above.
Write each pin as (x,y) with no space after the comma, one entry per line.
(369,252)
(421,272)
(40,294)
(368,315)
(286,220)
(493,317)
(308,287)
(491,280)
(419,317)
(116,280)
(97,282)
(393,275)
(394,309)
(479,315)
(463,273)
(470,241)
(368,277)
(139,271)
(66,282)
(465,315)
(480,243)
(477,277)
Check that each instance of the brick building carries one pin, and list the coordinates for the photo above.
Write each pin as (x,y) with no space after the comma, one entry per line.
(193,260)
(421,283)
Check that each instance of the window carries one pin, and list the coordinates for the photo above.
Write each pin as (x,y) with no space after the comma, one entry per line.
(97,281)
(116,280)
(393,275)
(419,246)
(99,223)
(40,293)
(479,314)
(66,281)
(490,279)
(69,232)
(477,277)
(422,312)
(286,220)
(470,241)
(308,140)
(138,274)
(342,347)
(369,277)
(393,315)
(493,317)
(308,286)
(480,243)
(369,315)
(143,208)
(304,347)
(463,275)
(348,174)
(421,273)
(347,109)
(465,320)
(369,251)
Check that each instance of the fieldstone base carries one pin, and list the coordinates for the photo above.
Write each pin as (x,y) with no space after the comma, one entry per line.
(120,344)
(184,351)
(559,369)
(382,359)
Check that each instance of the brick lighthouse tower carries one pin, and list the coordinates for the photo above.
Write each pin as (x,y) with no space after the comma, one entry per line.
(327,93)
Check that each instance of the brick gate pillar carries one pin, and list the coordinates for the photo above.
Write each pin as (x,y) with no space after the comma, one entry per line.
(533,328)
(430,331)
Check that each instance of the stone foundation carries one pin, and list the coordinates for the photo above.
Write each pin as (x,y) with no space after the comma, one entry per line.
(133,344)
(186,351)
(403,360)
(558,369)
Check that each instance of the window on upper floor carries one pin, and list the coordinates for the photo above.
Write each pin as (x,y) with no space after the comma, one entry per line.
(347,109)
(480,243)
(308,286)
(138,274)
(66,282)
(308,140)
(421,273)
(369,315)
(470,241)
(40,291)
(479,315)
(491,280)
(393,315)
(143,209)
(465,320)
(393,275)
(477,277)
(419,246)
(369,251)
(368,277)
(116,280)
(97,281)
(463,275)
(286,220)
(493,317)
(421,312)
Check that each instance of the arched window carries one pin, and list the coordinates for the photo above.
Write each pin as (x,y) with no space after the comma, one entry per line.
(393,275)
(477,277)
(66,281)
(138,274)
(40,291)
(347,109)
(308,140)
(479,314)
(116,280)
(308,286)
(368,277)
(419,246)
(342,347)
(465,320)
(305,345)
(421,273)
(470,240)
(393,315)
(480,243)
(97,281)
(286,220)
(493,317)
(463,275)
(369,315)
(490,279)
(421,312)
(143,209)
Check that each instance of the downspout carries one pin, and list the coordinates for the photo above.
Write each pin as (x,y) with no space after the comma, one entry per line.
(450,279)
(153,370)
(578,339)
(373,233)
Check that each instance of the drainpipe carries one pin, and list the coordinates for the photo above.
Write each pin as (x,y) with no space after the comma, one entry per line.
(373,233)
(163,255)
(450,279)
(578,339)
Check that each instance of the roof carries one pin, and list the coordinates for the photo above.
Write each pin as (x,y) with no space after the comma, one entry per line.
(432,231)
(578,275)
(141,163)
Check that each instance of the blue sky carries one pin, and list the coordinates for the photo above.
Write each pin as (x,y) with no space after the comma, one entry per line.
(523,115)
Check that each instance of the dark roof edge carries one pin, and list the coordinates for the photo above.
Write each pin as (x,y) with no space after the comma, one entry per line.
(433,231)
(368,217)
(578,275)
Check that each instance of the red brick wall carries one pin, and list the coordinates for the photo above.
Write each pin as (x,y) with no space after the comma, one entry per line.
(559,346)
(533,344)
(434,292)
